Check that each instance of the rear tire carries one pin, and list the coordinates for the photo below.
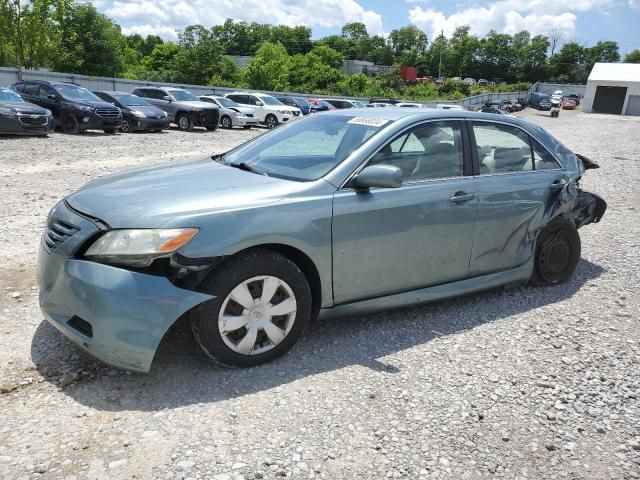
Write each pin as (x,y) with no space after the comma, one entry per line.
(70,124)
(558,250)
(184,123)
(238,313)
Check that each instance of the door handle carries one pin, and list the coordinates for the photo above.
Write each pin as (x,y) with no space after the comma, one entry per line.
(558,184)
(460,197)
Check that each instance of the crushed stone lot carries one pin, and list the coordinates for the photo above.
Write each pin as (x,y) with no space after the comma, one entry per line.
(531,383)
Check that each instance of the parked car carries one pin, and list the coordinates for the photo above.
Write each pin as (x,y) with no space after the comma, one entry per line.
(483,82)
(378,105)
(319,105)
(341,103)
(569,104)
(335,215)
(74,108)
(408,105)
(469,81)
(439,80)
(137,113)
(270,111)
(457,79)
(448,106)
(298,102)
(493,109)
(231,113)
(536,98)
(183,108)
(575,97)
(18,117)
(544,104)
(504,105)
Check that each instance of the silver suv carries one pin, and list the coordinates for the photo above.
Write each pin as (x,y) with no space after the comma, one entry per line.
(183,107)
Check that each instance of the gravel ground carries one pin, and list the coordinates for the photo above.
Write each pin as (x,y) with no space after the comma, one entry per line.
(534,383)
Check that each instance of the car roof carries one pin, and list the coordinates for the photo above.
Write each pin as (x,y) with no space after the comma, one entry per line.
(112,93)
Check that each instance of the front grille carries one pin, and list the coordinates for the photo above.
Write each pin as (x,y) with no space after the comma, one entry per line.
(108,112)
(33,120)
(57,233)
(81,326)
(211,117)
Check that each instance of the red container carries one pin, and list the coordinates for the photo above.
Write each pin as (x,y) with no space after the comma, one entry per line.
(409,74)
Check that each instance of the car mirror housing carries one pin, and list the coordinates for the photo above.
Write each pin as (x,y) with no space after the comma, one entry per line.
(52,97)
(259,104)
(380,176)
(167,98)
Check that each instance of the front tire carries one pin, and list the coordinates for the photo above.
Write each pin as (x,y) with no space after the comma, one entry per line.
(262,307)
(225,122)
(184,123)
(70,124)
(125,126)
(558,251)
(271,121)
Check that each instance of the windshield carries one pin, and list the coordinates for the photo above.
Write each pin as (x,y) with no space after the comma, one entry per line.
(302,101)
(359,104)
(10,96)
(74,92)
(270,100)
(131,100)
(308,149)
(183,96)
(226,102)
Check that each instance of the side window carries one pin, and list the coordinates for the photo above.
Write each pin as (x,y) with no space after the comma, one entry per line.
(141,92)
(19,87)
(502,148)
(542,159)
(31,89)
(253,100)
(428,151)
(45,91)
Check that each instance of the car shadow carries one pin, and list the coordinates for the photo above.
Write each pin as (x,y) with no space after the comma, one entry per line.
(182,375)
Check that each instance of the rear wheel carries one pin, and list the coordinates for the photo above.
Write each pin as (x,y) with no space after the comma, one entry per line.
(70,124)
(271,121)
(557,253)
(184,123)
(262,306)
(226,122)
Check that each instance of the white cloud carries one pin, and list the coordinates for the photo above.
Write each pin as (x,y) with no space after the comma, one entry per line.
(508,16)
(143,16)
(635,4)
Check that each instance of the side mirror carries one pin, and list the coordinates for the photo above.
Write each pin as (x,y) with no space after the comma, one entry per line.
(166,98)
(381,176)
(259,104)
(53,97)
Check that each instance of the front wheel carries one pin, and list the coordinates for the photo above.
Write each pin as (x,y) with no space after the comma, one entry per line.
(271,121)
(261,309)
(184,123)
(225,122)
(558,250)
(70,124)
(125,126)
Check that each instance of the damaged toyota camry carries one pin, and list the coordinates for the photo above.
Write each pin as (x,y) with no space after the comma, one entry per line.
(341,213)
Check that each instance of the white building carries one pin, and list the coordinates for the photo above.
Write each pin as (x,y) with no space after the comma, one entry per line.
(613,88)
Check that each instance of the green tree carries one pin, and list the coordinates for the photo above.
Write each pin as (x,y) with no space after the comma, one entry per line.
(408,43)
(463,51)
(91,43)
(226,73)
(633,56)
(569,64)
(317,71)
(269,69)
(198,54)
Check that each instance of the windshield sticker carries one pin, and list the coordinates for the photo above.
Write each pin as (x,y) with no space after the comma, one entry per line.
(372,122)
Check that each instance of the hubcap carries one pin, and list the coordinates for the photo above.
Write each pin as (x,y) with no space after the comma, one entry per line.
(124,126)
(184,123)
(271,122)
(257,315)
(555,257)
(226,122)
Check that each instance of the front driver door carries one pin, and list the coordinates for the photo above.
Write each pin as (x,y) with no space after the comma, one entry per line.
(399,239)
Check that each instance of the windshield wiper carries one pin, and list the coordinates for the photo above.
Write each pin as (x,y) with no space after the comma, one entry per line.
(248,168)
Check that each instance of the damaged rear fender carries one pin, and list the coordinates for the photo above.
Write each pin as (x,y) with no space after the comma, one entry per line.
(577,205)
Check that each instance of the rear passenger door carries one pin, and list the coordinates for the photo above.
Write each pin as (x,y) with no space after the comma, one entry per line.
(514,180)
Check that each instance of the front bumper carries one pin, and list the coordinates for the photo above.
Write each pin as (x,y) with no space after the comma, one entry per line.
(27,125)
(244,121)
(149,123)
(118,316)
(92,121)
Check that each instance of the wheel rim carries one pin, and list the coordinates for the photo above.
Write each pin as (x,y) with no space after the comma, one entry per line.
(554,257)
(226,122)
(183,123)
(124,126)
(271,122)
(257,315)
(69,123)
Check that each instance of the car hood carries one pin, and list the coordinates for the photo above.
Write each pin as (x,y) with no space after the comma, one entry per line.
(95,103)
(151,196)
(24,107)
(148,110)
(197,104)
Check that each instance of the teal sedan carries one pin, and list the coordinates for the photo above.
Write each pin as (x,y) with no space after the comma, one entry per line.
(343,212)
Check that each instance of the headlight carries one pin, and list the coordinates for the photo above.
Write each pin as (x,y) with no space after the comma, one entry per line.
(86,108)
(164,114)
(139,247)
(48,113)
(138,114)
(7,112)
(196,109)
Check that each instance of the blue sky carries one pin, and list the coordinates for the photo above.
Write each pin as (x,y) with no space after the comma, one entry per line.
(586,21)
